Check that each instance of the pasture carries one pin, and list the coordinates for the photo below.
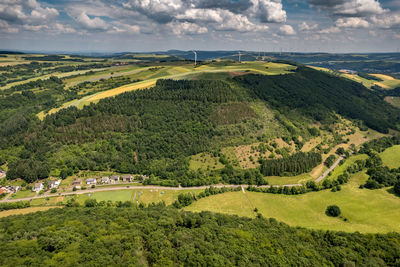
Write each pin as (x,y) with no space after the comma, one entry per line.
(391,157)
(365,210)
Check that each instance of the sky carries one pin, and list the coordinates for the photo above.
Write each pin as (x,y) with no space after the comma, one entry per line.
(338,26)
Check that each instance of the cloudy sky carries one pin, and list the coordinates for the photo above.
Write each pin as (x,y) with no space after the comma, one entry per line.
(154,25)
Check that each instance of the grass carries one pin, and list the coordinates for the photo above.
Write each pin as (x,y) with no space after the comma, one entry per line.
(146,196)
(205,161)
(393,100)
(391,157)
(277,180)
(23,194)
(365,210)
(123,195)
(24,211)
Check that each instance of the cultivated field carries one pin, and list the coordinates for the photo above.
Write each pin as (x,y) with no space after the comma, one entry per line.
(24,211)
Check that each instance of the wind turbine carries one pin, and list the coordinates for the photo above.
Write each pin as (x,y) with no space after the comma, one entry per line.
(239,56)
(195,57)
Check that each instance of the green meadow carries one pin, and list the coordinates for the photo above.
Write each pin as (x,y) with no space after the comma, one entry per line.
(363,210)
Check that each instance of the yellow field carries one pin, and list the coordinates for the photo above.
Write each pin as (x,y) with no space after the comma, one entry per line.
(122,89)
(25,211)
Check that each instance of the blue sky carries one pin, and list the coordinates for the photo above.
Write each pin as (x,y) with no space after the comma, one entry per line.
(154,25)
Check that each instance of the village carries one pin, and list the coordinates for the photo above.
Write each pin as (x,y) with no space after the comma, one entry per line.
(52,186)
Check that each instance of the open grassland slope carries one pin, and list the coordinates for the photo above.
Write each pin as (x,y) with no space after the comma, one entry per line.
(365,210)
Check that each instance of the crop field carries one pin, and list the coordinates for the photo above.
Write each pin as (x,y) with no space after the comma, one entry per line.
(365,210)
(391,157)
(150,76)
(24,211)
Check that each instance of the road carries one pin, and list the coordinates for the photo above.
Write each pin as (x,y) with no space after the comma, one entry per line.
(319,179)
(128,187)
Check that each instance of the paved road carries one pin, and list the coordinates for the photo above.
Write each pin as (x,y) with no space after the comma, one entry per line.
(319,179)
(100,189)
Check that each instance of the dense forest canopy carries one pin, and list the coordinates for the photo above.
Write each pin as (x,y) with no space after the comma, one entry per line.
(159,236)
(317,94)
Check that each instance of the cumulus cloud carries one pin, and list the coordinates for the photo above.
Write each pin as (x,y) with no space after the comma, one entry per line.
(352,23)
(95,23)
(387,21)
(287,30)
(228,15)
(329,30)
(186,28)
(304,26)
(352,8)
(26,12)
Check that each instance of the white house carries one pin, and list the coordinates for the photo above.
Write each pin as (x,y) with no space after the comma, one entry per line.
(37,187)
(127,178)
(54,184)
(91,181)
(105,180)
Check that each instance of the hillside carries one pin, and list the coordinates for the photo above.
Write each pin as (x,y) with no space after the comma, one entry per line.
(159,236)
(154,131)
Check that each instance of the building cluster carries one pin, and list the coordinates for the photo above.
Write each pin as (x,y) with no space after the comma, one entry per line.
(9,189)
(37,187)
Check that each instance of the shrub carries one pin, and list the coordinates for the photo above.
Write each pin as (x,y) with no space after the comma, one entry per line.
(396,188)
(333,211)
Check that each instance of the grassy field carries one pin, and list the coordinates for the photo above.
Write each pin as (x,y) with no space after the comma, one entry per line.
(277,180)
(146,196)
(23,194)
(24,211)
(365,210)
(205,161)
(391,157)
(393,100)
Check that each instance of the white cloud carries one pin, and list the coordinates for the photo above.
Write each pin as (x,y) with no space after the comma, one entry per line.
(304,26)
(329,30)
(353,8)
(387,21)
(287,30)
(6,28)
(95,23)
(186,28)
(269,10)
(352,23)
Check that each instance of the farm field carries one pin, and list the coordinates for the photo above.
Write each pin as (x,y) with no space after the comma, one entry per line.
(180,72)
(391,157)
(6,213)
(366,210)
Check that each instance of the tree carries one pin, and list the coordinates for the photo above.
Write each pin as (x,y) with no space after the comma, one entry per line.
(91,202)
(396,188)
(333,211)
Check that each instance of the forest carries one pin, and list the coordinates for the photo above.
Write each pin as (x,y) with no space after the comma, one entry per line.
(292,165)
(161,236)
(317,94)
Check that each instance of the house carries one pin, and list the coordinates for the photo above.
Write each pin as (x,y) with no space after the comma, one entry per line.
(16,188)
(77,182)
(127,178)
(105,180)
(114,179)
(37,187)
(54,184)
(91,181)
